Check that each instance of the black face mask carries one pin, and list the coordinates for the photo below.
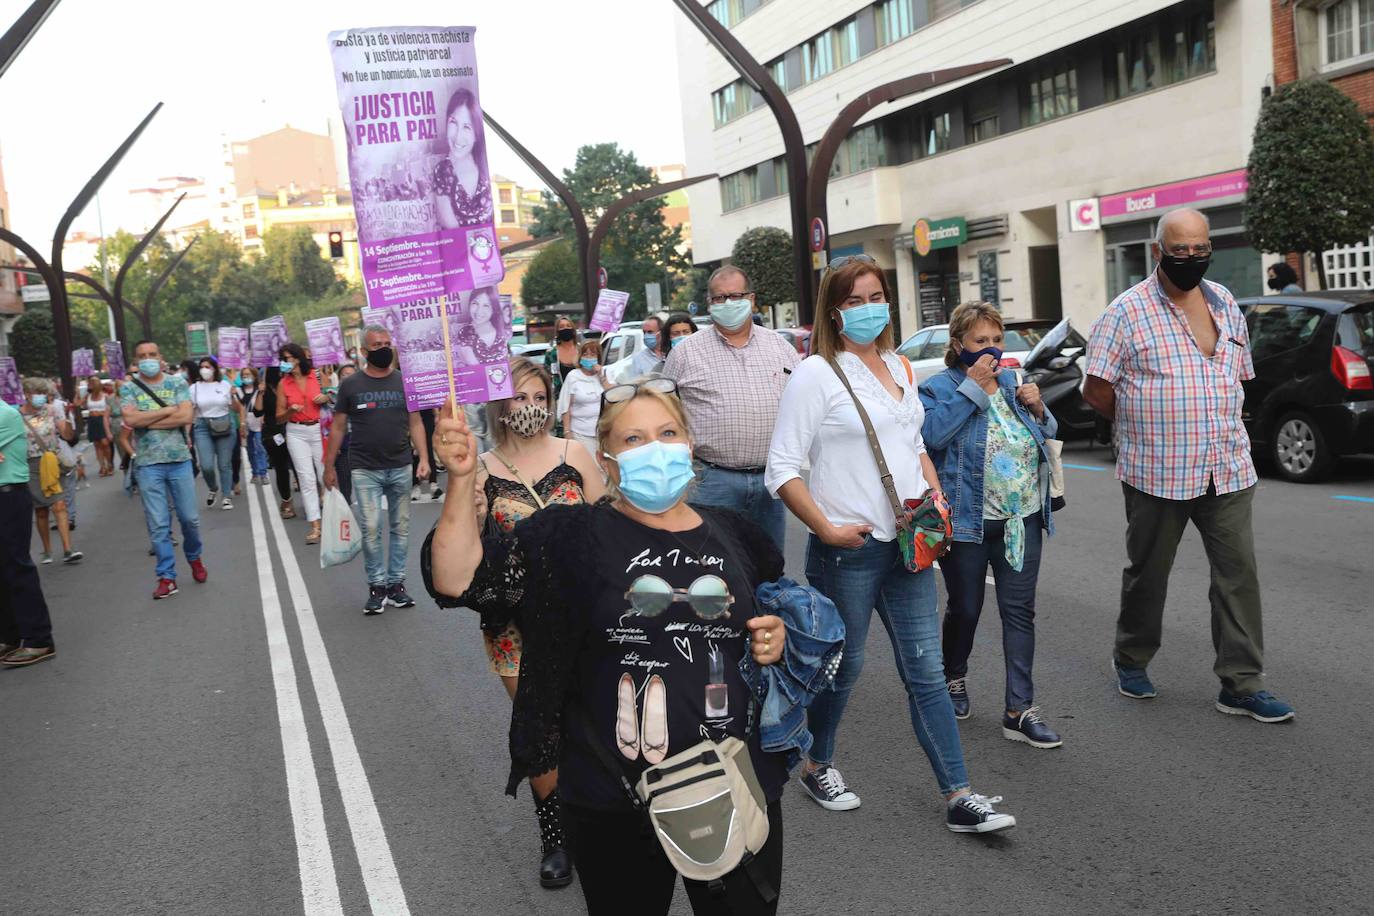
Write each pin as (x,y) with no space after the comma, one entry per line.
(566,334)
(1276,284)
(380,358)
(1185,273)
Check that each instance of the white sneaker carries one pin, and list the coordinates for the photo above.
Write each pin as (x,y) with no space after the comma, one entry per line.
(210,500)
(415,493)
(827,789)
(227,504)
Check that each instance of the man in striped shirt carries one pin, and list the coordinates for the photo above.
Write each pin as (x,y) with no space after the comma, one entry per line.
(1165,361)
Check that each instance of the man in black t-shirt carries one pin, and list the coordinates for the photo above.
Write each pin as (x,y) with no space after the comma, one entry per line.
(372,408)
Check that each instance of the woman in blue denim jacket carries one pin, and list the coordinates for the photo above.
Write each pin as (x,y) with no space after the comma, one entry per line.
(986,434)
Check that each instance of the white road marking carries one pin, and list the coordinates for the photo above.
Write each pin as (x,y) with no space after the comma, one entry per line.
(319,885)
(383,884)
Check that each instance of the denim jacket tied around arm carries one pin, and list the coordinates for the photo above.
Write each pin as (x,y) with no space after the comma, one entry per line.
(956,436)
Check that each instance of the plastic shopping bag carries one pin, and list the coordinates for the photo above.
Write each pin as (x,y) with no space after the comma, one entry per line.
(340,539)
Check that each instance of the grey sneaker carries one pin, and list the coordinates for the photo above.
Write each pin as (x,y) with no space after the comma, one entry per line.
(72,556)
(45,558)
(376,600)
(826,787)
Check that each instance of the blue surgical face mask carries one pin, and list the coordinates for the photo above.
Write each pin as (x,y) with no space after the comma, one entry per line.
(654,477)
(732,314)
(286,366)
(969,357)
(677,340)
(863,323)
(38,400)
(651,341)
(587,363)
(149,368)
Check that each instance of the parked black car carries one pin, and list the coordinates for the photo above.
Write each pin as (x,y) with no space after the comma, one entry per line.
(1312,397)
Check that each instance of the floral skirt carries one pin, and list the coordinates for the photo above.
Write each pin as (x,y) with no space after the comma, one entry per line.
(503,650)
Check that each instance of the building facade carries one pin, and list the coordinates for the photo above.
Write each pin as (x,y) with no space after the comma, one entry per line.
(1332,41)
(11,305)
(1036,186)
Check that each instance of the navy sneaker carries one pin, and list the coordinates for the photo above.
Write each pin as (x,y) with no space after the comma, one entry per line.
(376,600)
(1262,706)
(1029,728)
(958,695)
(396,595)
(975,814)
(1133,682)
(826,787)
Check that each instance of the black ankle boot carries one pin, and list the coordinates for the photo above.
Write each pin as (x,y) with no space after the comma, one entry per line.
(555,870)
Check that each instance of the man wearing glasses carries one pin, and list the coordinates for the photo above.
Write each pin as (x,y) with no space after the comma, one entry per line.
(730,379)
(1165,361)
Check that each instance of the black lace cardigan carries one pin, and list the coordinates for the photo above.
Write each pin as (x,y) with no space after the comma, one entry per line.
(546,570)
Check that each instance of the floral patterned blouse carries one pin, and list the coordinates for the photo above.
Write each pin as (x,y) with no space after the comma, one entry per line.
(471,209)
(1011,476)
(509,502)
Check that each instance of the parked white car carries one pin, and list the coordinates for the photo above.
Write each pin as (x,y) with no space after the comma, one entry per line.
(926,348)
(618,350)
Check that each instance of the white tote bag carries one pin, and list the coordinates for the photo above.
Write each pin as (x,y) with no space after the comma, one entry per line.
(340,539)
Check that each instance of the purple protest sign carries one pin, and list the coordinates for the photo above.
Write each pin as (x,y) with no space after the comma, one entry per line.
(325,337)
(610,309)
(114,359)
(233,348)
(265,340)
(83,363)
(11,388)
(421,187)
(383,317)
(480,342)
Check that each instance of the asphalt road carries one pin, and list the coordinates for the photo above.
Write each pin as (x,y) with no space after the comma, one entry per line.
(154,766)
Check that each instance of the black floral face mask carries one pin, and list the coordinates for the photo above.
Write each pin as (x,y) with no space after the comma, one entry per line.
(527,421)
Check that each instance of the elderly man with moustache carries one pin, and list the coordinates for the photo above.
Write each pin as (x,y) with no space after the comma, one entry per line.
(1165,361)
(730,379)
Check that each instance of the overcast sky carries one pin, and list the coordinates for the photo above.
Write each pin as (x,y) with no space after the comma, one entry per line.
(556,74)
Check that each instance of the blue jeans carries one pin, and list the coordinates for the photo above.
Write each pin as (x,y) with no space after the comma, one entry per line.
(369,487)
(216,454)
(163,486)
(965,570)
(743,492)
(873,576)
(257,455)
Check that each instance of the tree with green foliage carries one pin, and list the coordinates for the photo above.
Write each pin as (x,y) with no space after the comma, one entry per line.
(33,342)
(641,247)
(293,259)
(692,288)
(764,253)
(552,276)
(1311,172)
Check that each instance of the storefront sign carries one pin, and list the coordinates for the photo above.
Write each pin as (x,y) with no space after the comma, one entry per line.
(1084,215)
(1228,187)
(928,235)
(988,290)
(34,292)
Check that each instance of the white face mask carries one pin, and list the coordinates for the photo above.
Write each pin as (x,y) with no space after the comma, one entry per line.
(206,373)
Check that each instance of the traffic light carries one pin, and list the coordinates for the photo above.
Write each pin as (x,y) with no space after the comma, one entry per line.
(336,245)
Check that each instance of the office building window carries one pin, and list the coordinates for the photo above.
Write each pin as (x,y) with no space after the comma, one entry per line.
(867,148)
(730,12)
(505,195)
(1051,92)
(734,100)
(507,216)
(1164,50)
(936,134)
(1347,32)
(894,19)
(847,42)
(778,70)
(818,56)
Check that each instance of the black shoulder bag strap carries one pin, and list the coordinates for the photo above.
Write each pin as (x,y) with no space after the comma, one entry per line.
(161,403)
(888,487)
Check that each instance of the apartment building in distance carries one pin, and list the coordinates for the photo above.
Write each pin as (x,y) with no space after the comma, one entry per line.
(1037,186)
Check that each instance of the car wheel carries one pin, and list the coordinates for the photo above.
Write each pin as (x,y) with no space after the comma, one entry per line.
(1299,449)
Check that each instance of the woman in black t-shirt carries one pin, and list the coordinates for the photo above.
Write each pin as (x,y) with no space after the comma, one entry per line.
(597,669)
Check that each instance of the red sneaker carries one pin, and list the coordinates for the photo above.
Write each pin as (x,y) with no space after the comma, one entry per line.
(166,588)
(198,571)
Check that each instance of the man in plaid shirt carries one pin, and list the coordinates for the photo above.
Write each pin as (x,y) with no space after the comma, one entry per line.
(1165,361)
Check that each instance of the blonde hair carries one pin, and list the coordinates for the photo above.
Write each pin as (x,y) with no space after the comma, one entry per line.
(521,371)
(611,412)
(836,285)
(962,321)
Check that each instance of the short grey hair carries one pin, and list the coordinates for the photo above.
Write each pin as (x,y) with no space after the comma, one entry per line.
(376,329)
(1164,221)
(37,385)
(724,271)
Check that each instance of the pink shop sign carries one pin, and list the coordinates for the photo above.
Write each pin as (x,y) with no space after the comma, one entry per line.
(1148,201)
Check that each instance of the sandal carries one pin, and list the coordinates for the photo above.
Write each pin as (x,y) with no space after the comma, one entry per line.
(286,510)
(314,536)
